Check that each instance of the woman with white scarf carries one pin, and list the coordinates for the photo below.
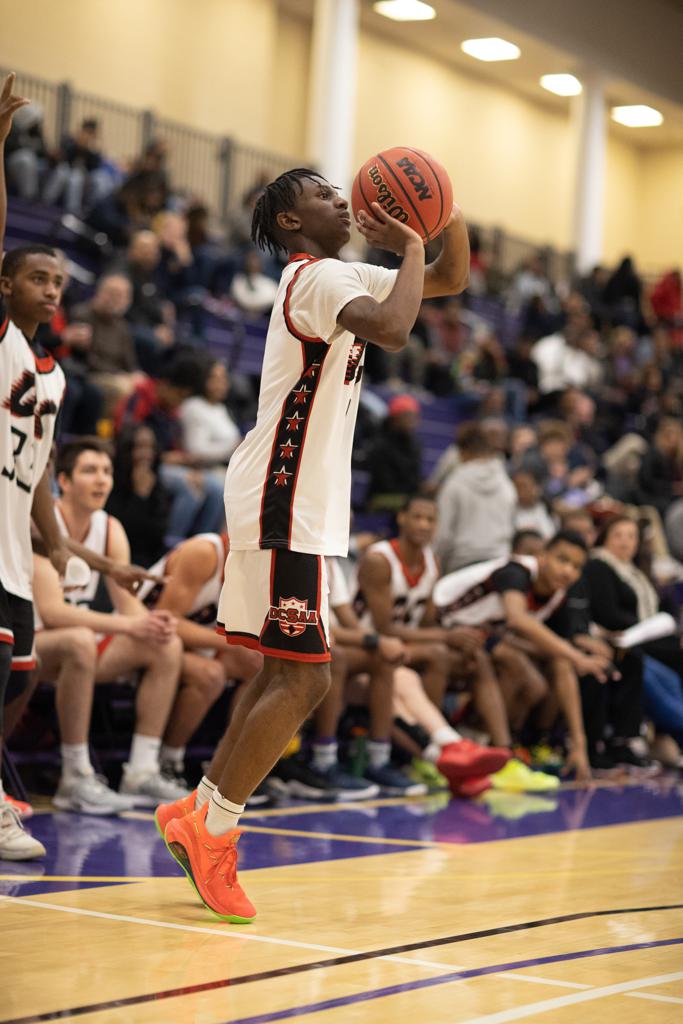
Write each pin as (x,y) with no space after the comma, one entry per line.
(621,595)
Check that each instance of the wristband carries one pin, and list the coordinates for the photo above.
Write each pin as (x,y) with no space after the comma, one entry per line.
(370,642)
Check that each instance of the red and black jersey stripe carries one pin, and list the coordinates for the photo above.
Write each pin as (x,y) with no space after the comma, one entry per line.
(277,502)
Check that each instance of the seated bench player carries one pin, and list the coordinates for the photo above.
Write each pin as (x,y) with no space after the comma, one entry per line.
(393,595)
(129,640)
(521,597)
(192,576)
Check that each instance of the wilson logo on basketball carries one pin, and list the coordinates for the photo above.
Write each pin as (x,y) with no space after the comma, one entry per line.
(415,178)
(293,616)
(385,196)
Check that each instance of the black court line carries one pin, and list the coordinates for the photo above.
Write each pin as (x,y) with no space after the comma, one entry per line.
(337,961)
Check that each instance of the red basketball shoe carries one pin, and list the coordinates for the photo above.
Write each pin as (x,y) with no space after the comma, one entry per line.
(178,809)
(210,863)
(463,758)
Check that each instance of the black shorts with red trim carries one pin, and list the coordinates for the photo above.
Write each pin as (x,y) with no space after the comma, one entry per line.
(16,629)
(276,601)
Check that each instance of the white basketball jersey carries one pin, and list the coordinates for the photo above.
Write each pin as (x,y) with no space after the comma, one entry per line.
(31,391)
(410,594)
(204,610)
(97,540)
(288,484)
(471,596)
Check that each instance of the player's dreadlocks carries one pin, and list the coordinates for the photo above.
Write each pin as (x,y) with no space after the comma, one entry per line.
(279,196)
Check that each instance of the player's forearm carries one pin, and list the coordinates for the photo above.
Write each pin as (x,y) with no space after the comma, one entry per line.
(396,316)
(569,699)
(541,637)
(449,273)
(3,197)
(43,515)
(194,635)
(66,616)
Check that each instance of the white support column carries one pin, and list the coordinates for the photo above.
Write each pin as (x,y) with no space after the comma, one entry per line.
(332,89)
(589,199)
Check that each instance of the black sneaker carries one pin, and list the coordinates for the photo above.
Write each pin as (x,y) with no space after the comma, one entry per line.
(601,762)
(294,778)
(261,796)
(392,781)
(625,754)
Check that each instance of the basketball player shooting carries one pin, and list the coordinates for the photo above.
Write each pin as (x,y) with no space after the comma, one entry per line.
(288,490)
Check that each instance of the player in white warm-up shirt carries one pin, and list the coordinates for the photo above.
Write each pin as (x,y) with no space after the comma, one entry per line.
(289,482)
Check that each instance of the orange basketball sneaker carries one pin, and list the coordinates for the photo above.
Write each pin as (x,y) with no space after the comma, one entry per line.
(210,863)
(178,809)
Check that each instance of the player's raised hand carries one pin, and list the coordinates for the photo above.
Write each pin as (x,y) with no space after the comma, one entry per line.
(384,232)
(9,104)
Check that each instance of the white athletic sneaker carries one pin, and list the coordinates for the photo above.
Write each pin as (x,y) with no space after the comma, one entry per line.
(150,788)
(88,793)
(15,841)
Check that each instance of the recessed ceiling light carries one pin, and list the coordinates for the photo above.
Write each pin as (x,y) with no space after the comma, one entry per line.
(561,85)
(637,116)
(490,49)
(405,10)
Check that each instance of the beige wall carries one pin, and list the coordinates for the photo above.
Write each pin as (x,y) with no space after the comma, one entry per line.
(240,67)
(661,209)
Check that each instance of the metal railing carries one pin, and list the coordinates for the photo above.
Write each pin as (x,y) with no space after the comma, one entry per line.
(216,169)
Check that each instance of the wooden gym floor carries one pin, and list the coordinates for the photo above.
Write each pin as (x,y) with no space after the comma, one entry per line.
(556,909)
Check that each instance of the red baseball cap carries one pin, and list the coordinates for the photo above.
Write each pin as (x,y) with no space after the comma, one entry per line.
(403,403)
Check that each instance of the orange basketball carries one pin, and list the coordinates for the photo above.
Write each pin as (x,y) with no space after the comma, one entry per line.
(409,185)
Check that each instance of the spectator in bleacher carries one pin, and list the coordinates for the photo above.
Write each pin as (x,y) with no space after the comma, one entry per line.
(26,154)
(130,208)
(212,267)
(151,315)
(531,512)
(531,281)
(660,479)
(667,299)
(209,432)
(476,505)
(197,494)
(674,529)
(395,458)
(522,367)
(125,642)
(76,182)
(592,287)
(108,353)
(523,438)
(252,290)
(568,357)
(138,498)
(623,296)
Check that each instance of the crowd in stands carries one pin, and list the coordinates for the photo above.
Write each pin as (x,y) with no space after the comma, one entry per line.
(555,515)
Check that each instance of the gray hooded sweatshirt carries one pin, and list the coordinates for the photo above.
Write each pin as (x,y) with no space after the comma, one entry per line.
(476,514)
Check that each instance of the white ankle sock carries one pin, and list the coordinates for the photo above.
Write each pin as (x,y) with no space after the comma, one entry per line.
(379,752)
(205,791)
(173,755)
(75,760)
(325,754)
(445,734)
(144,753)
(222,815)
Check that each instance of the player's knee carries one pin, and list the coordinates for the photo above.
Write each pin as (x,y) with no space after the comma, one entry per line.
(170,653)
(213,679)
(82,648)
(437,656)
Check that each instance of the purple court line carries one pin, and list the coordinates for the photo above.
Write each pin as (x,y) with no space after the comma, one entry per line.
(442,979)
(337,961)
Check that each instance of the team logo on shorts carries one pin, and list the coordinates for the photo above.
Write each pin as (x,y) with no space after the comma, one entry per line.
(293,616)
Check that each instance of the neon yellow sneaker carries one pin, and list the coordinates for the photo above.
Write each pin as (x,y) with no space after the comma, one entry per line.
(513,806)
(428,773)
(544,757)
(515,777)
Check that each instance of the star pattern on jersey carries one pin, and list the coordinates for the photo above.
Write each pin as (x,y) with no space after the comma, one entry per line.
(293,421)
(301,395)
(311,370)
(281,477)
(287,449)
